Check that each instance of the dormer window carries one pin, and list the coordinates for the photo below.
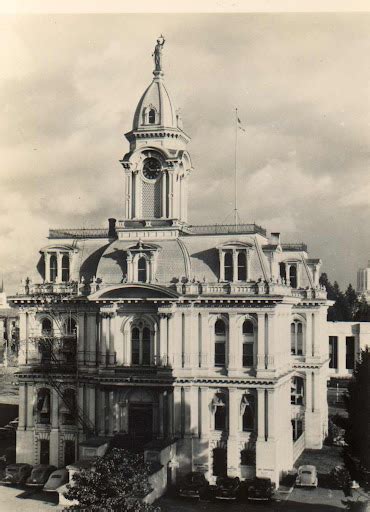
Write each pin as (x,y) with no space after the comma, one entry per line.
(242,266)
(234,261)
(151,116)
(228,266)
(141,270)
(53,268)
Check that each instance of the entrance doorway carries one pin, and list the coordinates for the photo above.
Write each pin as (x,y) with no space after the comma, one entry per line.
(69,452)
(44,451)
(140,424)
(220,462)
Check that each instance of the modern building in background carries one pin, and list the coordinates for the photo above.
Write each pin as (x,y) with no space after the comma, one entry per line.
(211,337)
(363,282)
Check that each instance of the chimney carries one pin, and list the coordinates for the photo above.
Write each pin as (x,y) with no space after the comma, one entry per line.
(275,238)
(112,228)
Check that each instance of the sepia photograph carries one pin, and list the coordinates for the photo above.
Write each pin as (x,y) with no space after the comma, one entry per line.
(185,257)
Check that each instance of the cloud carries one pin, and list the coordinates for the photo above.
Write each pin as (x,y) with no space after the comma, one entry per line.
(70,85)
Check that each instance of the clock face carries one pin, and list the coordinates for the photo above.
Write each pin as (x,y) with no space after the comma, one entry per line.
(151,168)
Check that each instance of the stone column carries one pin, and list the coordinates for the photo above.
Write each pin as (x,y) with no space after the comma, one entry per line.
(164,195)
(308,392)
(308,335)
(271,414)
(205,413)
(287,273)
(22,413)
(341,348)
(188,412)
(233,456)
(177,410)
(23,336)
(171,196)
(91,404)
(194,410)
(235,265)
(170,414)
(271,350)
(111,356)
(161,414)
(59,267)
(187,340)
(101,412)
(81,338)
(47,267)
(91,338)
(233,345)
(161,354)
(261,414)
(110,412)
(222,265)
(205,341)
(261,342)
(54,408)
(30,404)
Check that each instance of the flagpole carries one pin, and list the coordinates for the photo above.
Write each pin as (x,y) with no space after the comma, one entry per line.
(235,170)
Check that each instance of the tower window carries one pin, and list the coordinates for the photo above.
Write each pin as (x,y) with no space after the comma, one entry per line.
(151,116)
(296,338)
(220,343)
(282,268)
(53,268)
(248,343)
(297,391)
(242,266)
(228,266)
(219,403)
(65,268)
(333,351)
(141,270)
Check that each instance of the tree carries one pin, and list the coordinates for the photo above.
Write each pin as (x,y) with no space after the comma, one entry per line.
(352,301)
(363,311)
(118,481)
(358,426)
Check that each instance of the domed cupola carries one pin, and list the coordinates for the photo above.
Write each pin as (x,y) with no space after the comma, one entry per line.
(157,166)
(155,108)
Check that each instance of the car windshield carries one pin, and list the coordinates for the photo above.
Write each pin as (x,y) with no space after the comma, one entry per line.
(306,472)
(37,472)
(12,470)
(56,476)
(194,478)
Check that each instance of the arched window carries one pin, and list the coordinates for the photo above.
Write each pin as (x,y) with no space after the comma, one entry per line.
(296,338)
(282,269)
(146,346)
(141,345)
(297,391)
(248,413)
(43,406)
(242,266)
(53,268)
(228,266)
(135,346)
(65,268)
(220,416)
(220,343)
(248,343)
(151,116)
(46,327)
(141,270)
(293,276)
(70,327)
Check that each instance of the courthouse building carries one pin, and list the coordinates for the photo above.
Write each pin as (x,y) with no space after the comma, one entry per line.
(212,337)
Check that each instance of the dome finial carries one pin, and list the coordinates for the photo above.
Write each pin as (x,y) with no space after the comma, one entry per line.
(157,54)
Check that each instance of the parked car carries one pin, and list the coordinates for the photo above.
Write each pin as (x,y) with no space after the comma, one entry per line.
(226,488)
(40,475)
(260,489)
(307,476)
(194,485)
(16,473)
(56,479)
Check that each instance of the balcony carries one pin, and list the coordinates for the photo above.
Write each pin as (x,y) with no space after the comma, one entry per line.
(70,288)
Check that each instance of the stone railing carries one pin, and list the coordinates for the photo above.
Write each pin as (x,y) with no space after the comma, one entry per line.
(70,288)
(251,288)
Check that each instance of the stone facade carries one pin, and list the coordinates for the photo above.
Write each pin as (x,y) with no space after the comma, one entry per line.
(213,337)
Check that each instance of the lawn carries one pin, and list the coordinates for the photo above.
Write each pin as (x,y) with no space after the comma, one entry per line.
(324,459)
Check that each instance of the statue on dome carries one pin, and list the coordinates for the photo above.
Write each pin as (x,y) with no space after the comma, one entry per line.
(157,54)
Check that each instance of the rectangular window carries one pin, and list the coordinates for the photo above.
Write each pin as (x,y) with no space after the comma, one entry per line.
(333,351)
(350,352)
(220,353)
(248,354)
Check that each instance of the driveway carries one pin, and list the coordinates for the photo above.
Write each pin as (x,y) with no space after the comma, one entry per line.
(17,499)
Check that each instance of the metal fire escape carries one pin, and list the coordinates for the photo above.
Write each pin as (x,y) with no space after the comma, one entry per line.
(59,355)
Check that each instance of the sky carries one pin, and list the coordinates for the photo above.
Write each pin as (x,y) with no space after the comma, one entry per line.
(69,85)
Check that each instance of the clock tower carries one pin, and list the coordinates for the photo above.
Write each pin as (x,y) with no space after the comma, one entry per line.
(157,167)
